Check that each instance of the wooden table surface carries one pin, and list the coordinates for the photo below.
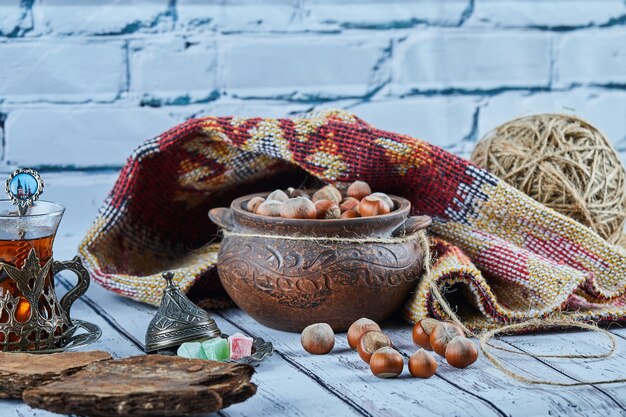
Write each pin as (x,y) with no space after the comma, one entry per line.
(294,383)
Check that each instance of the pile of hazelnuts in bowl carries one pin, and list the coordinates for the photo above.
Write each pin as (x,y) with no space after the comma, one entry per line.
(375,347)
(326,203)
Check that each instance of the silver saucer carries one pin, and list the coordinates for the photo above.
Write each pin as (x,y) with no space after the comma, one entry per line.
(75,340)
(261,348)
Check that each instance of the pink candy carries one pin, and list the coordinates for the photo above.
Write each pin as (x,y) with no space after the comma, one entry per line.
(240,346)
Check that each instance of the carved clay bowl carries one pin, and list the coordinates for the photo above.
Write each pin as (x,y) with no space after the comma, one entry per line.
(289,284)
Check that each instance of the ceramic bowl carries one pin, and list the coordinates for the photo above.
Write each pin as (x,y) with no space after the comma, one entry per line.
(289,284)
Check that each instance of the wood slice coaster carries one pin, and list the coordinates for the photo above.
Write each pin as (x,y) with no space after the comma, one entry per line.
(152,385)
(20,371)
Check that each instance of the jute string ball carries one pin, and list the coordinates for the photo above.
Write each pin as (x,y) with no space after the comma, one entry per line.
(564,163)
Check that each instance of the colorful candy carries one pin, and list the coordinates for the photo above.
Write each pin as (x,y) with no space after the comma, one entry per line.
(236,346)
(216,349)
(240,346)
(191,350)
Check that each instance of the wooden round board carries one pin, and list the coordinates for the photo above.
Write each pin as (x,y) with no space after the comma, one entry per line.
(152,385)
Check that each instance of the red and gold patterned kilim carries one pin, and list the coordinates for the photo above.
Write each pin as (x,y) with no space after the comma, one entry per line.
(498,255)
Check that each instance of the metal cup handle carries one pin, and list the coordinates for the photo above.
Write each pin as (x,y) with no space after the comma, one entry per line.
(76,266)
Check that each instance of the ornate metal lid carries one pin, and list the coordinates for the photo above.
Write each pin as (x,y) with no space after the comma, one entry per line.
(178,320)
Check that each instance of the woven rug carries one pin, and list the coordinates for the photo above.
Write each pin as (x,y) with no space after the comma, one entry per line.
(499,256)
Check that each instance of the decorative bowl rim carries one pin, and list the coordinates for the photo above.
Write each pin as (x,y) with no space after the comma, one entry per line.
(404,207)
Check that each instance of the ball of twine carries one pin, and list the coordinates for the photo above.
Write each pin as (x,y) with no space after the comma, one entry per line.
(564,163)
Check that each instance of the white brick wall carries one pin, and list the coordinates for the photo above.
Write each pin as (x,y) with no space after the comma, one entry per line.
(174,67)
(547,14)
(90,137)
(15,18)
(60,70)
(472,60)
(83,83)
(101,17)
(238,16)
(302,67)
(393,14)
(592,57)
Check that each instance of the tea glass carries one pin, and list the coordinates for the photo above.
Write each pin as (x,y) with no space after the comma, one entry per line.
(31,316)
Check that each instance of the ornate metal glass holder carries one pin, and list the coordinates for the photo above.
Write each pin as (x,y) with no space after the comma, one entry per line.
(31,316)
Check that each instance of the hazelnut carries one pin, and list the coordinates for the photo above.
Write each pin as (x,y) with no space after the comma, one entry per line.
(349,203)
(421,332)
(372,206)
(386,362)
(296,192)
(298,208)
(385,198)
(442,334)
(350,214)
(318,338)
(328,192)
(253,204)
(428,324)
(327,209)
(370,342)
(461,352)
(278,195)
(359,327)
(422,364)
(269,208)
(359,189)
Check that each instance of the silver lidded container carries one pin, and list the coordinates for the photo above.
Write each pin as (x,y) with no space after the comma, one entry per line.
(178,320)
